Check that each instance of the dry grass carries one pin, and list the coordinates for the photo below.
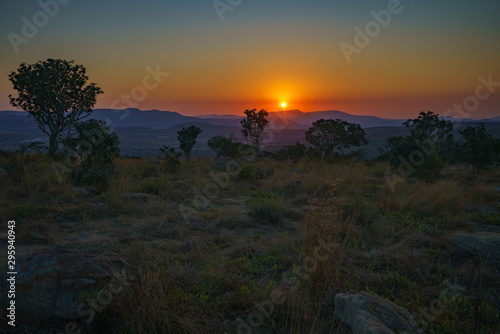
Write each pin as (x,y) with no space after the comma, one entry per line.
(344,229)
(441,197)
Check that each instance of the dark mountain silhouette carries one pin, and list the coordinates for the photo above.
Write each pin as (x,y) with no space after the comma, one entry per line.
(142,133)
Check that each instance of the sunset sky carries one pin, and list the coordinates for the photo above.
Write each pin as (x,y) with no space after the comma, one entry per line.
(428,56)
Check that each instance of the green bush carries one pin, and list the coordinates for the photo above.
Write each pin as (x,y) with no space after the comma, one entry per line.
(247,172)
(420,153)
(91,153)
(172,162)
(267,206)
(156,186)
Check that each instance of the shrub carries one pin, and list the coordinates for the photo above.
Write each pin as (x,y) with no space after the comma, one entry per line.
(292,152)
(420,153)
(481,149)
(172,162)
(221,145)
(247,172)
(267,206)
(187,139)
(91,153)
(226,147)
(157,186)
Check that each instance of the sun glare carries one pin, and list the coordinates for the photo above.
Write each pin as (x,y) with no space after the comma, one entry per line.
(283,105)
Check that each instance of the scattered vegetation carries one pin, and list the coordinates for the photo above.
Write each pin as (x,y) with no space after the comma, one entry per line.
(260,254)
(172,163)
(187,139)
(481,149)
(343,229)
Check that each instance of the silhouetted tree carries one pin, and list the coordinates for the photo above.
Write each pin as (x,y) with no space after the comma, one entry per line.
(481,149)
(187,139)
(329,135)
(56,94)
(254,126)
(172,162)
(221,145)
(419,153)
(92,152)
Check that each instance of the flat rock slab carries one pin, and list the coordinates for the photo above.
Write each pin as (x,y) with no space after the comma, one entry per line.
(140,196)
(368,313)
(56,284)
(484,246)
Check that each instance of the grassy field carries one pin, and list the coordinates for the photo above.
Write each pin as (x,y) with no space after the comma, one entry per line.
(266,254)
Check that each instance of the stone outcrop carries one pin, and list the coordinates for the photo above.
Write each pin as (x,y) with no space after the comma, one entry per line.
(60,284)
(368,313)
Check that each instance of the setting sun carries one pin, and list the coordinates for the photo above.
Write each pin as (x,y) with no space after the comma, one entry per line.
(283,105)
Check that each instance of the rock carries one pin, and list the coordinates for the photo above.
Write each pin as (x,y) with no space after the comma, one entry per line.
(3,171)
(484,246)
(59,284)
(263,173)
(180,185)
(140,196)
(78,190)
(366,312)
(479,208)
(225,164)
(497,189)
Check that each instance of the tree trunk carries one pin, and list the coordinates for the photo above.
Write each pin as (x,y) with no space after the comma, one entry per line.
(53,144)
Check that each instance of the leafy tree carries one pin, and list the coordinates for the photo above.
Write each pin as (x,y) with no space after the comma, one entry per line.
(420,154)
(91,153)
(481,149)
(56,94)
(428,125)
(187,138)
(172,162)
(221,145)
(329,135)
(254,126)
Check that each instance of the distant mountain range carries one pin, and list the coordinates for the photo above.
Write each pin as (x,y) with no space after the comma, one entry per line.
(143,132)
(157,119)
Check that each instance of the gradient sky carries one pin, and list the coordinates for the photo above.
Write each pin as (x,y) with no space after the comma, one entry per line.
(429,56)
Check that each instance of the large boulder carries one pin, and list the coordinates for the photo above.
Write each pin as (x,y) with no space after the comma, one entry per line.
(366,313)
(483,246)
(61,285)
